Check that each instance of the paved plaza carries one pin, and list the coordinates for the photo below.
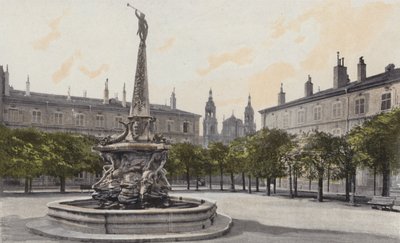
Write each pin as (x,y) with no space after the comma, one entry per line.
(256,218)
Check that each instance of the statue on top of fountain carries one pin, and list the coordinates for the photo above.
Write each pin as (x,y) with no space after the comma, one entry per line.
(134,176)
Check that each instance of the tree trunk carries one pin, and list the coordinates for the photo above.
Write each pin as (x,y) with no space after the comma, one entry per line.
(197,182)
(274,185)
(30,184)
(26,185)
(257,184)
(1,185)
(187,178)
(221,179)
(320,188)
(386,182)
(295,183)
(353,189)
(290,182)
(309,184)
(329,178)
(243,181)
(374,181)
(232,182)
(347,187)
(268,189)
(249,183)
(210,180)
(280,184)
(62,184)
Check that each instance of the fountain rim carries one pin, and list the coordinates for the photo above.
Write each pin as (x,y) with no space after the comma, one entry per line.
(203,205)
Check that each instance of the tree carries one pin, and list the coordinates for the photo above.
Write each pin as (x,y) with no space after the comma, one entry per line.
(5,158)
(25,155)
(188,158)
(345,163)
(318,152)
(68,154)
(378,141)
(290,154)
(236,159)
(265,147)
(218,153)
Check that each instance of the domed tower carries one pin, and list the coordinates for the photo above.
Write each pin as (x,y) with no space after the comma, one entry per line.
(210,123)
(249,125)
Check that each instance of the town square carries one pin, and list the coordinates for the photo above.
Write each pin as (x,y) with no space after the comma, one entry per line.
(199,121)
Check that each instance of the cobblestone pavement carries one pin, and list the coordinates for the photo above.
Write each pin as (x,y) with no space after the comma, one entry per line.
(256,218)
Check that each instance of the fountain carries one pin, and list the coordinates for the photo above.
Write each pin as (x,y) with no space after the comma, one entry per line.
(131,201)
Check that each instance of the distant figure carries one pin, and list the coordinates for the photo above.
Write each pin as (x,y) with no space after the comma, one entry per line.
(143,27)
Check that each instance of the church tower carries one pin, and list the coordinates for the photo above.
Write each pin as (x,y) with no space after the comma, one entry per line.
(210,123)
(249,125)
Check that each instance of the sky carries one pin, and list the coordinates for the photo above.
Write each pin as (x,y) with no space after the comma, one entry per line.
(234,47)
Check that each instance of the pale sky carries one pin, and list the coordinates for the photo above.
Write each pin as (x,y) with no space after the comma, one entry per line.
(235,47)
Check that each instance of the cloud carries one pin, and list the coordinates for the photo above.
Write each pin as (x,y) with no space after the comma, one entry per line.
(264,85)
(94,73)
(167,45)
(44,42)
(339,25)
(65,69)
(240,57)
(300,39)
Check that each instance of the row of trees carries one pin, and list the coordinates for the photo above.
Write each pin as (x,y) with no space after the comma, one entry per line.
(29,153)
(272,154)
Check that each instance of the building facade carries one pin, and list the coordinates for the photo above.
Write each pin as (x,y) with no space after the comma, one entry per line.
(97,117)
(337,110)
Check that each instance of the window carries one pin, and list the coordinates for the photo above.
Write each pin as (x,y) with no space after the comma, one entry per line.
(300,116)
(185,127)
(99,121)
(169,125)
(79,175)
(336,109)
(117,123)
(360,106)
(14,115)
(58,118)
(386,101)
(36,116)
(80,120)
(317,113)
(286,120)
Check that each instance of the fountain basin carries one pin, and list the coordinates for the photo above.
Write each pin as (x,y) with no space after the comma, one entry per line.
(79,219)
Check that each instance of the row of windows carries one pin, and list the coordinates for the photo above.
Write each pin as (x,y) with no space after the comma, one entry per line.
(337,110)
(15,115)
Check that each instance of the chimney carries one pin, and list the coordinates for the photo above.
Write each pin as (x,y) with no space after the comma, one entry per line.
(340,77)
(361,70)
(84,94)
(172,100)
(28,87)
(69,93)
(308,87)
(124,97)
(6,82)
(281,96)
(105,97)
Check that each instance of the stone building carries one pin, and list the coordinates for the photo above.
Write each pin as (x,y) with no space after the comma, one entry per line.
(340,108)
(98,117)
(232,127)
